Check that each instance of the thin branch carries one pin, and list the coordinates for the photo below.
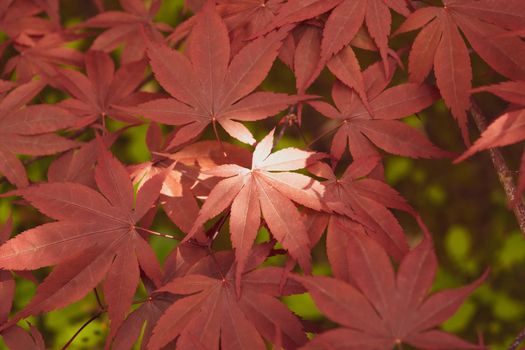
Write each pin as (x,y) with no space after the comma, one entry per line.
(517,341)
(93,318)
(281,134)
(331,130)
(504,173)
(99,301)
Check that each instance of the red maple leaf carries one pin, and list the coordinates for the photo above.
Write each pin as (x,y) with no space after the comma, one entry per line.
(379,309)
(366,202)
(440,44)
(21,17)
(186,180)
(301,52)
(247,17)
(95,237)
(102,92)
(209,312)
(127,27)
(345,20)
(208,88)
(77,165)
(42,55)
(29,130)
(268,187)
(362,131)
(15,337)
(180,261)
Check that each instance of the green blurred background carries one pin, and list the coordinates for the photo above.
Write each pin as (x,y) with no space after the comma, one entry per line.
(463,205)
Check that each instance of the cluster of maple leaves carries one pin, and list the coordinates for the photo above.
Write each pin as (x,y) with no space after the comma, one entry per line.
(209,68)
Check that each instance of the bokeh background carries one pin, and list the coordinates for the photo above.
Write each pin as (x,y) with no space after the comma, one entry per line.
(463,205)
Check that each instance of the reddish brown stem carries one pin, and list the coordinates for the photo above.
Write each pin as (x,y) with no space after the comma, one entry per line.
(99,301)
(93,318)
(504,173)
(155,233)
(517,341)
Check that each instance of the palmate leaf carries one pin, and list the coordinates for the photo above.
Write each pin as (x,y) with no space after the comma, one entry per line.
(246,17)
(187,179)
(379,309)
(42,55)
(127,27)
(15,337)
(95,237)
(208,87)
(103,91)
(29,130)
(365,203)
(268,188)
(345,20)
(485,24)
(180,261)
(19,18)
(361,130)
(210,315)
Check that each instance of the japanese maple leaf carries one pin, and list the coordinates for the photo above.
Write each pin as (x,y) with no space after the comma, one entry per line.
(440,44)
(149,312)
(345,20)
(380,309)
(179,262)
(42,55)
(209,314)
(95,237)
(96,95)
(301,51)
(208,88)
(77,165)
(186,180)
(247,17)
(366,201)
(29,130)
(127,27)
(268,187)
(243,18)
(21,17)
(361,130)
(15,337)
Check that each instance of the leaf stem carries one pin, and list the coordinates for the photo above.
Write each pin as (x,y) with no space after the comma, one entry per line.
(216,132)
(93,318)
(504,173)
(99,301)
(328,132)
(155,233)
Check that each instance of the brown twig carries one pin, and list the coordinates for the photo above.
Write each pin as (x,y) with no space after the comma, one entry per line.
(93,318)
(504,173)
(99,301)
(517,341)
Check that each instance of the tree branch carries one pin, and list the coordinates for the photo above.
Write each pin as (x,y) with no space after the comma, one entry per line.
(504,173)
(93,318)
(519,338)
